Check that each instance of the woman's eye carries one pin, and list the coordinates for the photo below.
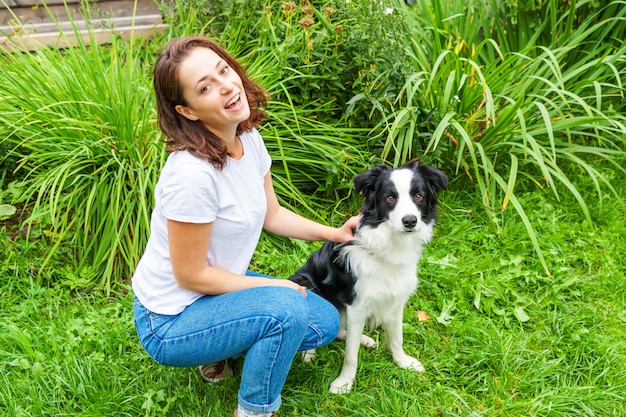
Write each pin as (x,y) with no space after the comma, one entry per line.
(391,199)
(225,70)
(205,88)
(418,197)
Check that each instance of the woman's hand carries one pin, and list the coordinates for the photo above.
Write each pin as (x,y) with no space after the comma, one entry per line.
(289,284)
(346,232)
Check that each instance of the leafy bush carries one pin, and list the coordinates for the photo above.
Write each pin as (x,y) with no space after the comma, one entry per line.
(498,115)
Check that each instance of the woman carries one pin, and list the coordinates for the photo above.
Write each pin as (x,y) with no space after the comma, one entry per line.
(196,302)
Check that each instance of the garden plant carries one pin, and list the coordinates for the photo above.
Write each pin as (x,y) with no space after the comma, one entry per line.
(521,308)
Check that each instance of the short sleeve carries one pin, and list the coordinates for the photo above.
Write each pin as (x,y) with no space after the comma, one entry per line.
(188,192)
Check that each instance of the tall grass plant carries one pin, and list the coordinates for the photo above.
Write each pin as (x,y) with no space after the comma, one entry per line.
(81,121)
(535,115)
(445,81)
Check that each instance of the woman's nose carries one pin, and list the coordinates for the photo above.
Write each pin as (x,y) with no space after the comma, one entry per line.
(226,85)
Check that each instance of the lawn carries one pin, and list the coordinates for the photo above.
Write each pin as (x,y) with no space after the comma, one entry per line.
(502,338)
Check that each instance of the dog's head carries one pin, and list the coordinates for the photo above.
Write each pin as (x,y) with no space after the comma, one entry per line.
(405,197)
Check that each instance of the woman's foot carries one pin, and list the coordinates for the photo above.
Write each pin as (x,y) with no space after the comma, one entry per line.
(215,372)
(242,412)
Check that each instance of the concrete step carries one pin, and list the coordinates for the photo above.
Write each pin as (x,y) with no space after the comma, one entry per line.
(29,24)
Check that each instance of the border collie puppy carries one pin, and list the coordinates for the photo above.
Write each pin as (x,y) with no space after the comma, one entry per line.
(371,278)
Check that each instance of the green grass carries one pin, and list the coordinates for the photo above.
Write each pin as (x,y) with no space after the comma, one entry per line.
(503,339)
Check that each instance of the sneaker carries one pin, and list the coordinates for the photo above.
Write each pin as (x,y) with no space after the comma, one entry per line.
(215,372)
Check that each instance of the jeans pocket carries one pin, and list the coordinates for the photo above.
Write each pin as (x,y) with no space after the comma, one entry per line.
(159,324)
(146,321)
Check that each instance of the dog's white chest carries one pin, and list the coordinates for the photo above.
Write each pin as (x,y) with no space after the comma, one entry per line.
(382,279)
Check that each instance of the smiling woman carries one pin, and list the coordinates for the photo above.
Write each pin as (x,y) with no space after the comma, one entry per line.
(213,198)
(213,93)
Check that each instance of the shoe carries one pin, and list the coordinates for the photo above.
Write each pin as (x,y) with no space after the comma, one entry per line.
(273,415)
(215,372)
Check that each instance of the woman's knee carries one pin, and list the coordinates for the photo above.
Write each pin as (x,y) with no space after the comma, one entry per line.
(287,307)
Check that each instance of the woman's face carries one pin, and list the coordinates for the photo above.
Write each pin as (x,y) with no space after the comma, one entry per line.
(213,91)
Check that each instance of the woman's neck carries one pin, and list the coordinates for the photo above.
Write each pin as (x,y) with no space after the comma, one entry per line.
(231,140)
(235,149)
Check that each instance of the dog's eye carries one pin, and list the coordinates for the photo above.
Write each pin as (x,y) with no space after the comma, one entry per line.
(418,197)
(391,199)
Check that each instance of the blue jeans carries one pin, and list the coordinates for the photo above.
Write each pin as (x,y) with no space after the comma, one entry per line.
(267,324)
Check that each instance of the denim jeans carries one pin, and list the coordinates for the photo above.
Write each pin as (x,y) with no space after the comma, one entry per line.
(267,324)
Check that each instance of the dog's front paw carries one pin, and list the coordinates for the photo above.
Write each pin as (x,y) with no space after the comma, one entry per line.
(341,386)
(408,362)
(368,342)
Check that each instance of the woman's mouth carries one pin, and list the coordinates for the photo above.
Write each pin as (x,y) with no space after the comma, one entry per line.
(233,102)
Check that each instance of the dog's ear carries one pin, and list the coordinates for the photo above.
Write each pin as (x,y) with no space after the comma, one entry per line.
(413,164)
(434,177)
(365,182)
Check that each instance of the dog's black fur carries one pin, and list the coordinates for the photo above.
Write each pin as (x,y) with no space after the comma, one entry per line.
(326,273)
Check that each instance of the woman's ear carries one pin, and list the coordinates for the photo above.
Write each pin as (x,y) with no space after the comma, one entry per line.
(186,113)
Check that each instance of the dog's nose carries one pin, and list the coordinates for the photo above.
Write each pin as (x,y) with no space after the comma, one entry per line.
(409,221)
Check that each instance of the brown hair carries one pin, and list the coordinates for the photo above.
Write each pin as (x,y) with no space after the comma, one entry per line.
(193,136)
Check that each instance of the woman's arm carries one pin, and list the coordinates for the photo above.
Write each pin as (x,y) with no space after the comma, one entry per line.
(285,222)
(188,246)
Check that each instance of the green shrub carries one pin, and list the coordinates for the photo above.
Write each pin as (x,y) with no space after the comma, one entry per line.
(501,116)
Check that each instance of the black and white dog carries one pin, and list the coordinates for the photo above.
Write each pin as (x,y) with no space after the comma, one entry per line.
(372,277)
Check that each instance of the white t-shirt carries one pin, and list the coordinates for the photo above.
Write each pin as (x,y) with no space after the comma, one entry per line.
(192,190)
